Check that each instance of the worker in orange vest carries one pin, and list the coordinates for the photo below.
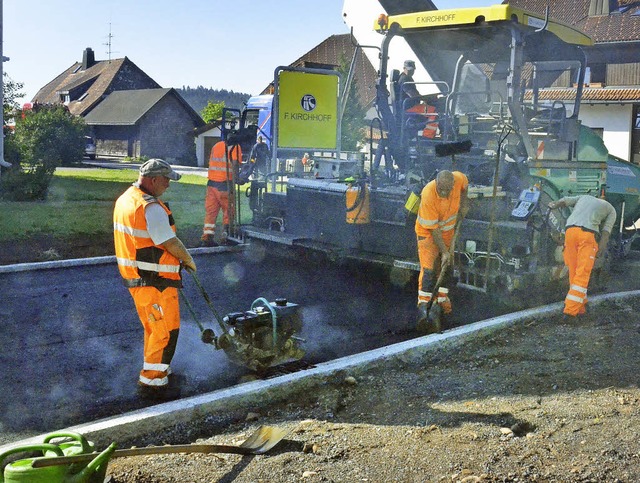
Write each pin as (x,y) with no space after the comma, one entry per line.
(590,217)
(443,201)
(217,197)
(149,256)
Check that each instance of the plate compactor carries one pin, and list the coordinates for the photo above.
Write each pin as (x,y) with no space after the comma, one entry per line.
(263,336)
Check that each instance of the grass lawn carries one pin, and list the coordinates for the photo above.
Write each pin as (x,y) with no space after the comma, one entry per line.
(80,203)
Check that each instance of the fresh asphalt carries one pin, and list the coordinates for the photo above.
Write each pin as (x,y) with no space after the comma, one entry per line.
(72,342)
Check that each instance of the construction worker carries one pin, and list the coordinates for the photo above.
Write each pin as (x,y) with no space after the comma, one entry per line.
(217,197)
(260,156)
(443,202)
(591,217)
(407,88)
(149,256)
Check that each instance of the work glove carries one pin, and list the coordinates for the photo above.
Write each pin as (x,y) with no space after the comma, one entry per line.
(189,265)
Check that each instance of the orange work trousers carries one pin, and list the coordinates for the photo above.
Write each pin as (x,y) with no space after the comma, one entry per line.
(430,265)
(580,249)
(159,313)
(215,201)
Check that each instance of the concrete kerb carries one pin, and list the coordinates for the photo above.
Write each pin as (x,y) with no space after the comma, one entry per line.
(256,394)
(79,262)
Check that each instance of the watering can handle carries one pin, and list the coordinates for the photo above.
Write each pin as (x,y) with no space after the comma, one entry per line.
(90,469)
(32,447)
(75,436)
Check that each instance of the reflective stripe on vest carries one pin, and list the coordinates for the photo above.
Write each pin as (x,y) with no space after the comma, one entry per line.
(431,128)
(436,212)
(218,161)
(444,225)
(137,256)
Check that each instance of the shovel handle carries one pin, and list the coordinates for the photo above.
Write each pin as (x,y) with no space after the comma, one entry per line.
(259,442)
(148,450)
(444,268)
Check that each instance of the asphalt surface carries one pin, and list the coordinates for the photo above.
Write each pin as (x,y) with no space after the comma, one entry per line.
(72,343)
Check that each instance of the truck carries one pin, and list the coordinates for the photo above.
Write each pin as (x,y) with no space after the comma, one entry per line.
(503,107)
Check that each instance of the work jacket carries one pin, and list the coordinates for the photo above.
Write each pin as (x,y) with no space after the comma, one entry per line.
(218,172)
(437,212)
(141,263)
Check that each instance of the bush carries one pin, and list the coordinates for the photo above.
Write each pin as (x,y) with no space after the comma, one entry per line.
(32,183)
(51,136)
(44,139)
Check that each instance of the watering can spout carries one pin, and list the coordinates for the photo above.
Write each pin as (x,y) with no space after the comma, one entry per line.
(95,464)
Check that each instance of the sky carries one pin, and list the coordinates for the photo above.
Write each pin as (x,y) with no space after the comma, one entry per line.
(222,44)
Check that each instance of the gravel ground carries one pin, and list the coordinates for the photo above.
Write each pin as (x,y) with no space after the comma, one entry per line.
(545,400)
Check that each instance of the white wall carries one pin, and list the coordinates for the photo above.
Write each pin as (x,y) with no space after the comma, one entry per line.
(200,155)
(616,121)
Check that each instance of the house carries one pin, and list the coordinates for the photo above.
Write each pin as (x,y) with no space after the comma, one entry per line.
(146,122)
(129,113)
(611,96)
(85,84)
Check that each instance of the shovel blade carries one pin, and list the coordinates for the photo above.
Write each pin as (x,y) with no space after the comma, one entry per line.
(263,439)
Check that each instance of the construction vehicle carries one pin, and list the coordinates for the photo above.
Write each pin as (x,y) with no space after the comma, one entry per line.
(503,108)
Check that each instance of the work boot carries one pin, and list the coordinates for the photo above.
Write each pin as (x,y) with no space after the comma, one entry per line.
(423,318)
(428,321)
(208,242)
(435,319)
(158,393)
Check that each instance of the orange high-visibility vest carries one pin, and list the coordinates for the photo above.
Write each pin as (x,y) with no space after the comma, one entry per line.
(218,162)
(429,112)
(436,212)
(141,263)
(431,128)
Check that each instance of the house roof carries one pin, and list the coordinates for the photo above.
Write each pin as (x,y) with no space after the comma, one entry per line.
(591,95)
(93,81)
(126,108)
(338,49)
(621,25)
(208,127)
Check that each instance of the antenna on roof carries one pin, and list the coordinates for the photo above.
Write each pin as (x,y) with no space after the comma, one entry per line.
(108,44)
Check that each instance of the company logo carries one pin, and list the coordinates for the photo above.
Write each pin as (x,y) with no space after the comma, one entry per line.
(308,102)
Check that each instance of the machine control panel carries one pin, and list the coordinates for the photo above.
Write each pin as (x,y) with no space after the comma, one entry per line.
(527,202)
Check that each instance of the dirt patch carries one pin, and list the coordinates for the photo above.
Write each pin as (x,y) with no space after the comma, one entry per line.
(545,400)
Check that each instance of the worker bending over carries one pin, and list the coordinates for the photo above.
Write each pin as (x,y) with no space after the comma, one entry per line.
(149,255)
(217,197)
(590,217)
(443,202)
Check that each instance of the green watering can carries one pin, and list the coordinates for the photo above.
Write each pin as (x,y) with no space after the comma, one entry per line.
(22,471)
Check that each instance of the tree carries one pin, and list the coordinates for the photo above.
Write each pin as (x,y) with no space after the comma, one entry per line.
(47,137)
(11,93)
(353,118)
(212,111)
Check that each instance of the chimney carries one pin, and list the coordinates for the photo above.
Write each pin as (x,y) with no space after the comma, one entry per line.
(88,58)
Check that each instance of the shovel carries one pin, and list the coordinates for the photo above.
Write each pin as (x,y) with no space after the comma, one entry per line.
(259,442)
(445,267)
